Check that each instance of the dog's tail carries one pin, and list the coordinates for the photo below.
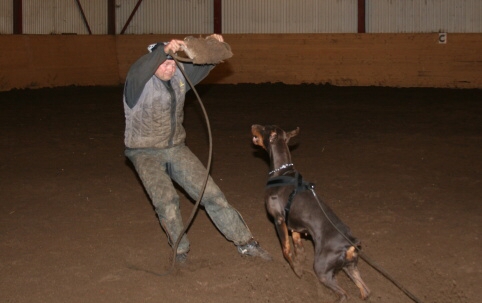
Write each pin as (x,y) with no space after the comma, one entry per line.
(356,249)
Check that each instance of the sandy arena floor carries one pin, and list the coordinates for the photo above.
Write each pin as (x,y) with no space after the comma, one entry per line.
(402,167)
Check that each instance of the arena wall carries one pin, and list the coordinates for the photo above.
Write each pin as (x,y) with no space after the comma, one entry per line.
(394,60)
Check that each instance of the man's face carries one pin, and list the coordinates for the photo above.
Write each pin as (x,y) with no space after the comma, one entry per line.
(166,70)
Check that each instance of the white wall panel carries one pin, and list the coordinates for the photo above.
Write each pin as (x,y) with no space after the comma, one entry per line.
(97,15)
(64,17)
(39,16)
(166,17)
(247,16)
(288,16)
(424,16)
(6,17)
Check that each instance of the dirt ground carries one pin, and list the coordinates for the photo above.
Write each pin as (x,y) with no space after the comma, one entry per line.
(402,167)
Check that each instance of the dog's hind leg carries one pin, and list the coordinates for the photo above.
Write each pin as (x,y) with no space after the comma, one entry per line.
(328,279)
(324,267)
(352,271)
(283,235)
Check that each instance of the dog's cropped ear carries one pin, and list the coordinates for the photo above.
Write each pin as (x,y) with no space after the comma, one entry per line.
(292,133)
(272,136)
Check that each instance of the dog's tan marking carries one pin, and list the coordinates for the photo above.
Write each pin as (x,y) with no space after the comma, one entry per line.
(285,241)
(257,138)
(354,275)
(272,136)
(351,253)
(296,237)
(299,254)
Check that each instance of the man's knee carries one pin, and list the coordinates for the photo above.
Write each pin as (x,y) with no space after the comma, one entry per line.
(167,209)
(217,201)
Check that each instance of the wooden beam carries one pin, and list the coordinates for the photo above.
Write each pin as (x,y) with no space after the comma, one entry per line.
(17,17)
(361,16)
(218,16)
(111,17)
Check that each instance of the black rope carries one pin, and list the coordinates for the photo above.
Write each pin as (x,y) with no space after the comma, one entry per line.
(301,185)
(208,168)
(367,259)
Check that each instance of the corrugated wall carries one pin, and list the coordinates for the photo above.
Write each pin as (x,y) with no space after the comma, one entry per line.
(6,17)
(424,16)
(288,16)
(64,17)
(246,16)
(166,17)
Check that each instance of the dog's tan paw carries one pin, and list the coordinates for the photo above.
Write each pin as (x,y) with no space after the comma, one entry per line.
(298,269)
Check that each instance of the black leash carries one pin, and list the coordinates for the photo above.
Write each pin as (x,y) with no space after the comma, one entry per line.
(208,168)
(301,185)
(367,259)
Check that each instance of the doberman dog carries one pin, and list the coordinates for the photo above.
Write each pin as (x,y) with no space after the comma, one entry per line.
(294,206)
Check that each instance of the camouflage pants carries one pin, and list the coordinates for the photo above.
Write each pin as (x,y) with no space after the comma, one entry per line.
(158,167)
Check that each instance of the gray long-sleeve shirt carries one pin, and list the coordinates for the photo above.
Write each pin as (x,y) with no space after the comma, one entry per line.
(154,109)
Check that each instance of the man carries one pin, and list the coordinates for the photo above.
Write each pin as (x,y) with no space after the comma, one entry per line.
(154,95)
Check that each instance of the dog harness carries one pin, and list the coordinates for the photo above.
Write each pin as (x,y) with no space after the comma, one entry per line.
(296,180)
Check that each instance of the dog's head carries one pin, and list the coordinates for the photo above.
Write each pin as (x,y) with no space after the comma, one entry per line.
(266,135)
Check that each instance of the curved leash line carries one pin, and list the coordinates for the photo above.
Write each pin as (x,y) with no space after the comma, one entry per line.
(365,257)
(198,202)
(208,168)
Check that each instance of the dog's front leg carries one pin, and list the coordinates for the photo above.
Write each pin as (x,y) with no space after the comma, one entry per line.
(300,256)
(283,235)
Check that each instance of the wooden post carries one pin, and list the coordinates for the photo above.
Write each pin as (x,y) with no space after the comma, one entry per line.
(218,16)
(17,17)
(361,16)
(111,17)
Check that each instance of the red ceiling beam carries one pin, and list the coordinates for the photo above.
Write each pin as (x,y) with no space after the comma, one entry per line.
(111,17)
(361,16)
(218,16)
(17,17)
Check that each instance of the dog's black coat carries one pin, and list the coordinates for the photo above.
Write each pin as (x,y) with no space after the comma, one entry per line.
(335,247)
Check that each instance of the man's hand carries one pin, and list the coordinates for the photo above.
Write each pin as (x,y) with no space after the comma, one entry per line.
(217,37)
(174,46)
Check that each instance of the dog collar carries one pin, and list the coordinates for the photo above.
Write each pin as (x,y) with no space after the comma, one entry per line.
(280,168)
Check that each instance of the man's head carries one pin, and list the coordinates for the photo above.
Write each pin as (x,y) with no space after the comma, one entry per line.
(166,70)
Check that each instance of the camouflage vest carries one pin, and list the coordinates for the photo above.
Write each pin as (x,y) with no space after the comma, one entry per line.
(156,120)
